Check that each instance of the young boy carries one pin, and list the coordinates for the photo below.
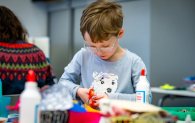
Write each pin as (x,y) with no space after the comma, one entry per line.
(101,27)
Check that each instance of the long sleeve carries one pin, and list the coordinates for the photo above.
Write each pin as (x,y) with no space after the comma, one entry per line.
(71,75)
(138,65)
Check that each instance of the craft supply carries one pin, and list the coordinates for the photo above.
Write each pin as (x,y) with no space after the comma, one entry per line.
(181,112)
(12,118)
(30,99)
(133,112)
(55,103)
(90,97)
(142,89)
(56,98)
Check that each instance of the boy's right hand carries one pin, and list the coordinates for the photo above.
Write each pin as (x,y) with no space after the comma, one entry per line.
(83,93)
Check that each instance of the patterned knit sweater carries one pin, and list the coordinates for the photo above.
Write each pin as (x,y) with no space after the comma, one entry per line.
(15,61)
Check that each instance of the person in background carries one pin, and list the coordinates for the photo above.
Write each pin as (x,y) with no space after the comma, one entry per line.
(101,28)
(17,56)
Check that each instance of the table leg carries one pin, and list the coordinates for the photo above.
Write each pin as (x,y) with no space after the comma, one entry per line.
(162,99)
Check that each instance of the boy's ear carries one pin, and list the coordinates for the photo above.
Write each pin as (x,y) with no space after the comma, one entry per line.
(121,33)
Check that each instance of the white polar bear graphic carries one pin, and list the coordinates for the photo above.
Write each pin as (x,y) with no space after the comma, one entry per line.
(104,83)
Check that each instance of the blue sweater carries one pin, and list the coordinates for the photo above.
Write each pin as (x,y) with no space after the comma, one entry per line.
(128,69)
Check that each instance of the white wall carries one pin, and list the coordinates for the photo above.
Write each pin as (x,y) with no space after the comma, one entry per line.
(33,15)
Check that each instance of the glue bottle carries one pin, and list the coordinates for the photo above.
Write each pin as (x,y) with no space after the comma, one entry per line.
(142,89)
(30,99)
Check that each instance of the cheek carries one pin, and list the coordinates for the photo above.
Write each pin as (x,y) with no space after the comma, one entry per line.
(113,50)
(95,53)
(110,53)
(101,53)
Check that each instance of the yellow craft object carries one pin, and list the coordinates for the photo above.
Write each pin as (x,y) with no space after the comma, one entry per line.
(167,86)
(89,109)
(74,101)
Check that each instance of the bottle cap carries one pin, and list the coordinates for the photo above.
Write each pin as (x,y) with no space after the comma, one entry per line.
(143,72)
(31,76)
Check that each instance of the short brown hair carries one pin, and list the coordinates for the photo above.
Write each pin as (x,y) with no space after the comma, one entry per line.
(11,28)
(101,19)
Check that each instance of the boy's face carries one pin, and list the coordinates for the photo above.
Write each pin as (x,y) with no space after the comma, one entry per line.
(110,44)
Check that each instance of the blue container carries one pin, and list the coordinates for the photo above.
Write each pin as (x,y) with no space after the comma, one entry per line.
(4,101)
(1,89)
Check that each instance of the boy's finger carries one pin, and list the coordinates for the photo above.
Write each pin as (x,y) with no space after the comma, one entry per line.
(87,90)
(97,104)
(98,97)
(94,94)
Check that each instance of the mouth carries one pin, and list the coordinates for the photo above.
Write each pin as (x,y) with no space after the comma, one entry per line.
(102,56)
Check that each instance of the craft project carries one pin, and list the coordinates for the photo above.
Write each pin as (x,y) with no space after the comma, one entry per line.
(104,83)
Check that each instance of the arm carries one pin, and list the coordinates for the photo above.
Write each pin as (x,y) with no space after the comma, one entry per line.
(138,65)
(71,75)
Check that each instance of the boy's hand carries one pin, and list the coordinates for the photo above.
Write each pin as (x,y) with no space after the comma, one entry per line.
(101,96)
(98,98)
(83,93)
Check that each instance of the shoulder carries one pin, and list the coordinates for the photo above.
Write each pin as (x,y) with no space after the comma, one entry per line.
(133,57)
(83,53)
(19,46)
(22,52)
(31,47)
(32,50)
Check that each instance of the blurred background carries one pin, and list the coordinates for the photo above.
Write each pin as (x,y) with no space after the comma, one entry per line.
(161,32)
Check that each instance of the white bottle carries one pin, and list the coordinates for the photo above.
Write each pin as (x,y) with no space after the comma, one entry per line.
(30,99)
(142,89)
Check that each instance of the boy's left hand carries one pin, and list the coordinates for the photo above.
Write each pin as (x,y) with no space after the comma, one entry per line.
(98,98)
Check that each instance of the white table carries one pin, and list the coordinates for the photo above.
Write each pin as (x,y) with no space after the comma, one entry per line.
(172,93)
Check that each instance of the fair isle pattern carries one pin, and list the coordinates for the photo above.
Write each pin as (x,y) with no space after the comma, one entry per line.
(20,51)
(22,56)
(15,61)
